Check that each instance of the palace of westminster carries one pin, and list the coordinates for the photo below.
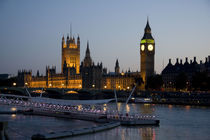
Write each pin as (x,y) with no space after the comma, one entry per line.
(89,75)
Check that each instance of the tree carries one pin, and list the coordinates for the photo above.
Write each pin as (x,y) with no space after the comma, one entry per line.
(200,81)
(181,81)
(8,82)
(154,82)
(139,81)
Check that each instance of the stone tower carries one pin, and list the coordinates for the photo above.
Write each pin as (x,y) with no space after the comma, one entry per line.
(71,53)
(147,53)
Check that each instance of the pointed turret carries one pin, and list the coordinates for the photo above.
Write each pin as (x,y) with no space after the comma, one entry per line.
(87,60)
(37,74)
(63,42)
(78,38)
(147,29)
(117,67)
(78,42)
(87,50)
(63,39)
(117,63)
(67,37)
(67,40)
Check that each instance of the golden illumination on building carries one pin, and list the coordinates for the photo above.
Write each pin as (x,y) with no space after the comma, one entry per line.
(72,92)
(121,82)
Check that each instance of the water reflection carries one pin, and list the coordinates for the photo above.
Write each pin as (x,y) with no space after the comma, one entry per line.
(187,107)
(185,122)
(143,133)
(13,116)
(127,108)
(147,133)
(147,109)
(170,106)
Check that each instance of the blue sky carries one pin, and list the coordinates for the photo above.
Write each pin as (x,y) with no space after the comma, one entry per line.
(31,31)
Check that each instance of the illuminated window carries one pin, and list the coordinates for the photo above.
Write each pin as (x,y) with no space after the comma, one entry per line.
(72,61)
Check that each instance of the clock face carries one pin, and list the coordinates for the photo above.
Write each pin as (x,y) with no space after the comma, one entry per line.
(142,47)
(150,47)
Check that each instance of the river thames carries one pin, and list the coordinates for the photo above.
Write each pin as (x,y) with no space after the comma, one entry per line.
(176,122)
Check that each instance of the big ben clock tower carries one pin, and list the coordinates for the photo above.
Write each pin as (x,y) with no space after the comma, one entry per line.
(147,53)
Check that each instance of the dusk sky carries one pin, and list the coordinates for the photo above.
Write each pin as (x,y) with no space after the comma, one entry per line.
(31,31)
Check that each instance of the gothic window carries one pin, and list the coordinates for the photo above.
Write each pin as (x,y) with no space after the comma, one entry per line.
(72,61)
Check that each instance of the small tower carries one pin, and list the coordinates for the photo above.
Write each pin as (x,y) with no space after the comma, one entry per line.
(117,67)
(147,53)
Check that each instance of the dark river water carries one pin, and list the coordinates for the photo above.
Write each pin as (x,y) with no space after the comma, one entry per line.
(176,122)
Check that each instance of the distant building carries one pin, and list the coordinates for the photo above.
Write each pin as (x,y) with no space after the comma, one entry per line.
(89,75)
(147,53)
(170,72)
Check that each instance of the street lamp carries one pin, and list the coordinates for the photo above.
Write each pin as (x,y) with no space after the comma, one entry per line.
(14,84)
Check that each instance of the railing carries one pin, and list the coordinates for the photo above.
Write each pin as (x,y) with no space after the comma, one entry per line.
(24,101)
(21,101)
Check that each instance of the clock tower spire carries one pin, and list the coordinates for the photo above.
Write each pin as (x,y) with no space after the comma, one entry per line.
(147,53)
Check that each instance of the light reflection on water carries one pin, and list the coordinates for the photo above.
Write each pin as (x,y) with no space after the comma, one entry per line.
(176,122)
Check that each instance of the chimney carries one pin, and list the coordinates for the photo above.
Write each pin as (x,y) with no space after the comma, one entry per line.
(177,60)
(206,60)
(180,61)
(201,62)
(209,58)
(190,61)
(194,59)
(169,61)
(186,59)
